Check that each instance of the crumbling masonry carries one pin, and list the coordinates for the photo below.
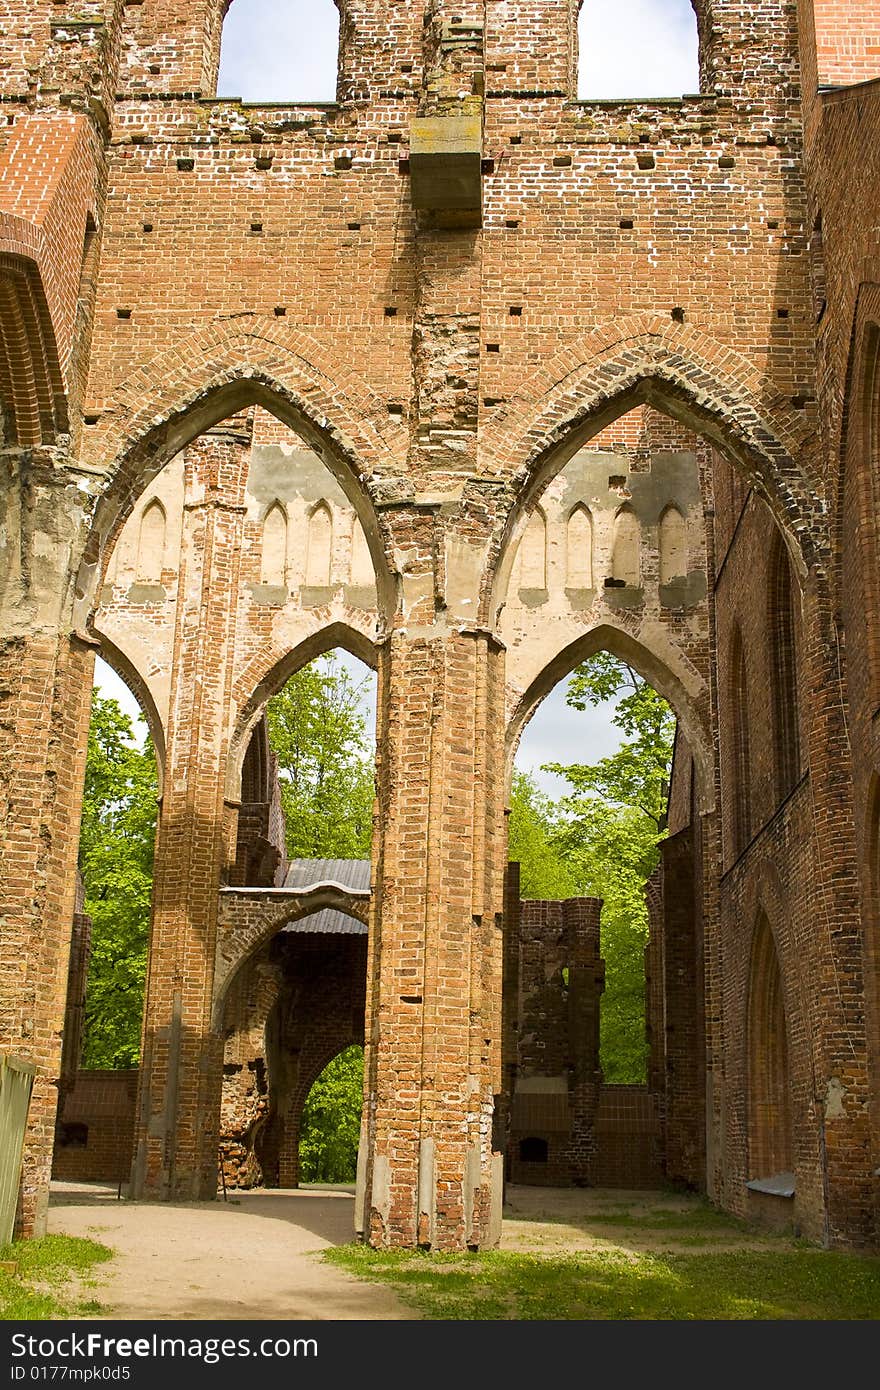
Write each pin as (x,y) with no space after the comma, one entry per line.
(473,379)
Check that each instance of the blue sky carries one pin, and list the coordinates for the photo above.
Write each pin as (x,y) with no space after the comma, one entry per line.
(274,50)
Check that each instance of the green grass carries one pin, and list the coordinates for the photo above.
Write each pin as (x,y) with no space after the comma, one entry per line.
(40,1287)
(612,1285)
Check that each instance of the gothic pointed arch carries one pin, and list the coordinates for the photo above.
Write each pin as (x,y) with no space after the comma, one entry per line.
(711,389)
(672,543)
(579,548)
(273,558)
(151,543)
(215,373)
(319,546)
(770,1125)
(626,549)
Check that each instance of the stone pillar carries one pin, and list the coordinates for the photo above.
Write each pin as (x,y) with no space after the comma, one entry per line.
(434,983)
(181,1067)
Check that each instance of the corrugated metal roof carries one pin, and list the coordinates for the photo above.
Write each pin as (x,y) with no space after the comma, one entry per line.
(352,873)
(328,920)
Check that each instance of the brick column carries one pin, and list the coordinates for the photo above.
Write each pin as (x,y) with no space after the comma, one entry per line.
(434,983)
(684,1039)
(45,685)
(181,1069)
(586,981)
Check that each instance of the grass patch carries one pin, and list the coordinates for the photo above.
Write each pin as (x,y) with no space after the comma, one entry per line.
(613,1285)
(39,1288)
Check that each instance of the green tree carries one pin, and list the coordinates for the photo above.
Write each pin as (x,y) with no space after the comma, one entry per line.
(116,862)
(319,735)
(545,871)
(332,1119)
(608,830)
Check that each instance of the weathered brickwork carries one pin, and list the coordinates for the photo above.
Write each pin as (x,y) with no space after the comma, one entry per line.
(229,324)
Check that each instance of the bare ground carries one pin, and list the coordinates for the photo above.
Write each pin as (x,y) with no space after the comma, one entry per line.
(258,1255)
(255,1256)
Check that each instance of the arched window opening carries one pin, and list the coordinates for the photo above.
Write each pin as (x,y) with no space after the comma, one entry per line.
(533,553)
(331,1121)
(581,826)
(151,544)
(273,569)
(771,1148)
(637,49)
(673,546)
(321,732)
(255,768)
(271,52)
(579,552)
(783,665)
(319,547)
(626,547)
(116,873)
(739,758)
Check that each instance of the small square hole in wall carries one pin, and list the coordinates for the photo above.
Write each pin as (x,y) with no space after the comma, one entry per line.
(353,226)
(391,311)
(626,224)
(263,161)
(678,314)
(256,229)
(516,139)
(123,313)
(394,137)
(90,419)
(511,223)
(493,347)
(395,408)
(782,313)
(772,223)
(343,161)
(645,161)
(147,226)
(406,67)
(515,311)
(280,310)
(186,164)
(155,69)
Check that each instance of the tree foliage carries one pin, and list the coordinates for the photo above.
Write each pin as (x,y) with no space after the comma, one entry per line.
(331,1120)
(116,862)
(602,840)
(319,735)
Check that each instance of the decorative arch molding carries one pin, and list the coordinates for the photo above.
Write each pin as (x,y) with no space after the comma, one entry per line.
(273,665)
(31,377)
(709,387)
(214,373)
(670,673)
(249,917)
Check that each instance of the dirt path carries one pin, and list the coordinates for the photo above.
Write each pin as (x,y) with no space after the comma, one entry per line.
(253,1257)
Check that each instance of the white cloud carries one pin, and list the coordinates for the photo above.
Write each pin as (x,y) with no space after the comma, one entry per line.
(285,50)
(643,48)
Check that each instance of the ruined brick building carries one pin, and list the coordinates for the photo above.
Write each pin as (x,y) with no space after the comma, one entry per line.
(473,379)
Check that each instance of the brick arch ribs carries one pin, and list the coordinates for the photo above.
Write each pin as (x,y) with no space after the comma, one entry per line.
(214,373)
(248,918)
(710,388)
